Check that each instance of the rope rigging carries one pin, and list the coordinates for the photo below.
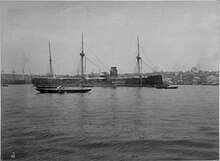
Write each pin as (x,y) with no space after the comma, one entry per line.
(97,57)
(148,66)
(155,68)
(92,62)
(135,68)
(77,67)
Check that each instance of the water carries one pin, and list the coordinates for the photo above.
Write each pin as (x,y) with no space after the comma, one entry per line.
(110,124)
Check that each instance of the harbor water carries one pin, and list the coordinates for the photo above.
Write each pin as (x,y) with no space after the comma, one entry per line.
(124,123)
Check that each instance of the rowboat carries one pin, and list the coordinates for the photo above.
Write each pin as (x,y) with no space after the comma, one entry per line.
(166,87)
(62,90)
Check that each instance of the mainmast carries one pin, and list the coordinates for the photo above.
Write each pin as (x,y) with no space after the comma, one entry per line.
(50,60)
(82,55)
(139,59)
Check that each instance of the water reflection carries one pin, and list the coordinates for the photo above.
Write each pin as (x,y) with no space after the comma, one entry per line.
(82,118)
(138,114)
(111,124)
(114,118)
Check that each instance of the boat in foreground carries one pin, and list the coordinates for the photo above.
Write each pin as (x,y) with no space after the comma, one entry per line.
(63,90)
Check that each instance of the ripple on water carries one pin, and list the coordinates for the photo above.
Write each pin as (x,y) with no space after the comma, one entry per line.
(111,124)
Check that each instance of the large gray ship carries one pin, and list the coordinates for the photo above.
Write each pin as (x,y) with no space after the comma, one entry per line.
(107,80)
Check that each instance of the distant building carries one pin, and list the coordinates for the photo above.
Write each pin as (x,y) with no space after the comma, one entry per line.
(196,80)
(212,79)
(187,78)
(168,80)
(195,70)
(202,79)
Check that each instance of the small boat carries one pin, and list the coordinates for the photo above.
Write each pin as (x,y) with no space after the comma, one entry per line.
(171,87)
(4,85)
(214,84)
(62,90)
(166,87)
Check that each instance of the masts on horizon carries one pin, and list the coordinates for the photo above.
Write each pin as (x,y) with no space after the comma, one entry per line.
(13,73)
(30,73)
(82,55)
(23,73)
(50,60)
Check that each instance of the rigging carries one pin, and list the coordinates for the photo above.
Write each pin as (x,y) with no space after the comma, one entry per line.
(97,57)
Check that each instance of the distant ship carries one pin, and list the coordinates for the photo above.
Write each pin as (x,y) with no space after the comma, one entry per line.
(3,80)
(18,81)
(15,80)
(111,80)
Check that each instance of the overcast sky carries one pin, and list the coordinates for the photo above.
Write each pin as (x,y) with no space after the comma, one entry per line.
(174,35)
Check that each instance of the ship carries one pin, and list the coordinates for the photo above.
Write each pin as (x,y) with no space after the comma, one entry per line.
(3,80)
(12,79)
(17,80)
(106,80)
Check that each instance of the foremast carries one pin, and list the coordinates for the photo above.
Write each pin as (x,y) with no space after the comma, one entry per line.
(139,61)
(50,61)
(82,54)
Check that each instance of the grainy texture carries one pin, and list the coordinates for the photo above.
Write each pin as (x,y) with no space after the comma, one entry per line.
(111,124)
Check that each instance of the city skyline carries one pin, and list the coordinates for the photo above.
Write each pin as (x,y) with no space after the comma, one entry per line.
(174,35)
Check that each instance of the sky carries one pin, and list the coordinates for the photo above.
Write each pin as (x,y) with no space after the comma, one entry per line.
(173,35)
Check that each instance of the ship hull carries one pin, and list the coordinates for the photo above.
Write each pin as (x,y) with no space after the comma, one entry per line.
(55,90)
(149,81)
(15,82)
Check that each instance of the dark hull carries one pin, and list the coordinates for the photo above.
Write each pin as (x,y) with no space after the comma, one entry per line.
(54,90)
(15,81)
(172,87)
(166,87)
(149,81)
(4,85)
(214,84)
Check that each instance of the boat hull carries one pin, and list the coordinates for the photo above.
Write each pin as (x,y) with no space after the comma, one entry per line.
(55,90)
(166,87)
(4,85)
(172,87)
(149,81)
(15,81)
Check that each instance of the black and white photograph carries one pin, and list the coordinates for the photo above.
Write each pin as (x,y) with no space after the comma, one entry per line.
(109,80)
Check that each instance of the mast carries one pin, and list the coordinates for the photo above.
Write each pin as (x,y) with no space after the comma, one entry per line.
(2,74)
(30,73)
(85,66)
(50,61)
(82,55)
(23,73)
(13,73)
(139,60)
(138,57)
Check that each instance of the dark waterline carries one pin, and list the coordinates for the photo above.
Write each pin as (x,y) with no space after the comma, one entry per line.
(111,124)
